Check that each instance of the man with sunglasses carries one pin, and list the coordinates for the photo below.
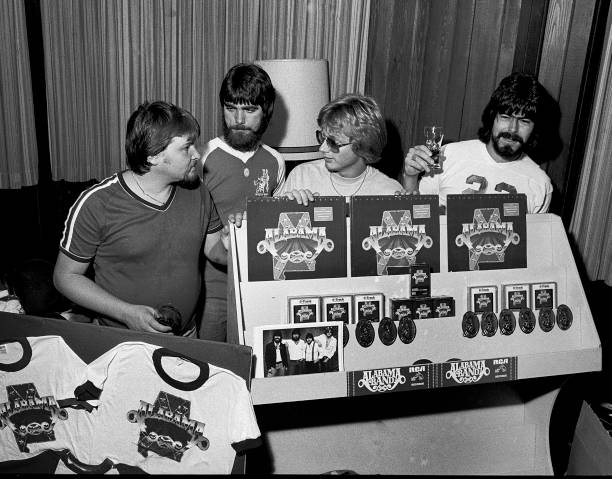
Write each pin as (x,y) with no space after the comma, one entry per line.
(237,166)
(352,136)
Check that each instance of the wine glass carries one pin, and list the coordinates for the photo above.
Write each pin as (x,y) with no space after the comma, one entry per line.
(433,141)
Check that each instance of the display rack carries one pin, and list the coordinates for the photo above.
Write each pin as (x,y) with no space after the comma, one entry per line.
(512,411)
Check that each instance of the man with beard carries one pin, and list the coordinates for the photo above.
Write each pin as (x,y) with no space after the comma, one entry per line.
(498,162)
(237,166)
(143,229)
(276,358)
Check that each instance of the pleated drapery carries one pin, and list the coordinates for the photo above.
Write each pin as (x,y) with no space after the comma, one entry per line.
(18,150)
(591,224)
(104,57)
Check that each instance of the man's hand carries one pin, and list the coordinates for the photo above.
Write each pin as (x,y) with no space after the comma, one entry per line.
(302,197)
(144,318)
(404,192)
(418,160)
(236,218)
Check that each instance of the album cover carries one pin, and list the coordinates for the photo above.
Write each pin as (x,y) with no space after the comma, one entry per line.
(390,233)
(486,232)
(291,241)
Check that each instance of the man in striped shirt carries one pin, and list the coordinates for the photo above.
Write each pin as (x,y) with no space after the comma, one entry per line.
(143,229)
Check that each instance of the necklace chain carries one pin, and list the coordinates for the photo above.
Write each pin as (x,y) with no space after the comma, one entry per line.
(331,179)
(143,191)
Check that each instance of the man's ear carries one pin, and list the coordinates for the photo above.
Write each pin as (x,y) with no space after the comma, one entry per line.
(154,160)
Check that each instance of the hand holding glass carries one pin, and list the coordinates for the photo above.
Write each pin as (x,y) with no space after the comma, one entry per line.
(433,141)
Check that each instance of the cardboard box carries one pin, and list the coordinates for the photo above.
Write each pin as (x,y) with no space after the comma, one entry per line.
(591,452)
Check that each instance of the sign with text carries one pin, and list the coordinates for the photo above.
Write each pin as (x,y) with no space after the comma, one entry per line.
(432,375)
(405,378)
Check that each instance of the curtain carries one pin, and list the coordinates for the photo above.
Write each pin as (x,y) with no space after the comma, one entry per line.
(18,151)
(591,224)
(104,57)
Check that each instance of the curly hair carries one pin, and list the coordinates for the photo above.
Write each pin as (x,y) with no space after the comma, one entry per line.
(359,118)
(518,93)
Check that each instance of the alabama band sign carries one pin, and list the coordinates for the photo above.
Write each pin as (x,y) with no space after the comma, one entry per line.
(431,375)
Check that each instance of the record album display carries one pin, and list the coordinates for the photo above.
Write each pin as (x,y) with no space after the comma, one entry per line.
(287,240)
(486,232)
(391,233)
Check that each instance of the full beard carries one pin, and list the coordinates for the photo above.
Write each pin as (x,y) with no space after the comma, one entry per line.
(242,138)
(508,150)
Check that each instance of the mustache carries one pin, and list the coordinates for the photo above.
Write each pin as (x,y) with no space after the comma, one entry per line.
(243,128)
(510,136)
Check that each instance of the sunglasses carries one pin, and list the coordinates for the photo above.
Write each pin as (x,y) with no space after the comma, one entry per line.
(333,146)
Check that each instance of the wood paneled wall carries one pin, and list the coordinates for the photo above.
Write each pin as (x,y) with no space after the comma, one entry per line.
(570,62)
(440,60)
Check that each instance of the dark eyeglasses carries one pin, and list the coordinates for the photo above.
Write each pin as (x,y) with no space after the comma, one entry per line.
(333,146)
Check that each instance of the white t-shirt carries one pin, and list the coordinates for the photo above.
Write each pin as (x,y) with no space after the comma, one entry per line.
(314,176)
(36,373)
(468,168)
(328,345)
(296,350)
(167,414)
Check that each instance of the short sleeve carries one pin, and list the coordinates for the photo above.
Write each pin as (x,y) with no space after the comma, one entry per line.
(214,223)
(83,230)
(243,424)
(428,185)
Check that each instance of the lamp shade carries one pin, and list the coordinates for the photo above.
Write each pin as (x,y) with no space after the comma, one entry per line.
(302,88)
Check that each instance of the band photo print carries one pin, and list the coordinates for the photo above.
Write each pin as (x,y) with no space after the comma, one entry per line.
(293,349)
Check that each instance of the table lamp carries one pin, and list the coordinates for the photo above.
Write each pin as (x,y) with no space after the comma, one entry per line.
(302,88)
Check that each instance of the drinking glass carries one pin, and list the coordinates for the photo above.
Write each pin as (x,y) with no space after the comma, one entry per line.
(169,316)
(433,141)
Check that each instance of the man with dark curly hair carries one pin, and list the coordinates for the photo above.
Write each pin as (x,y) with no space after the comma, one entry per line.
(499,160)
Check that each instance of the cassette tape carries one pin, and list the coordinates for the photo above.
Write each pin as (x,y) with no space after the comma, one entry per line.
(443,306)
(516,296)
(543,295)
(420,280)
(337,308)
(400,308)
(482,299)
(304,309)
(368,306)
